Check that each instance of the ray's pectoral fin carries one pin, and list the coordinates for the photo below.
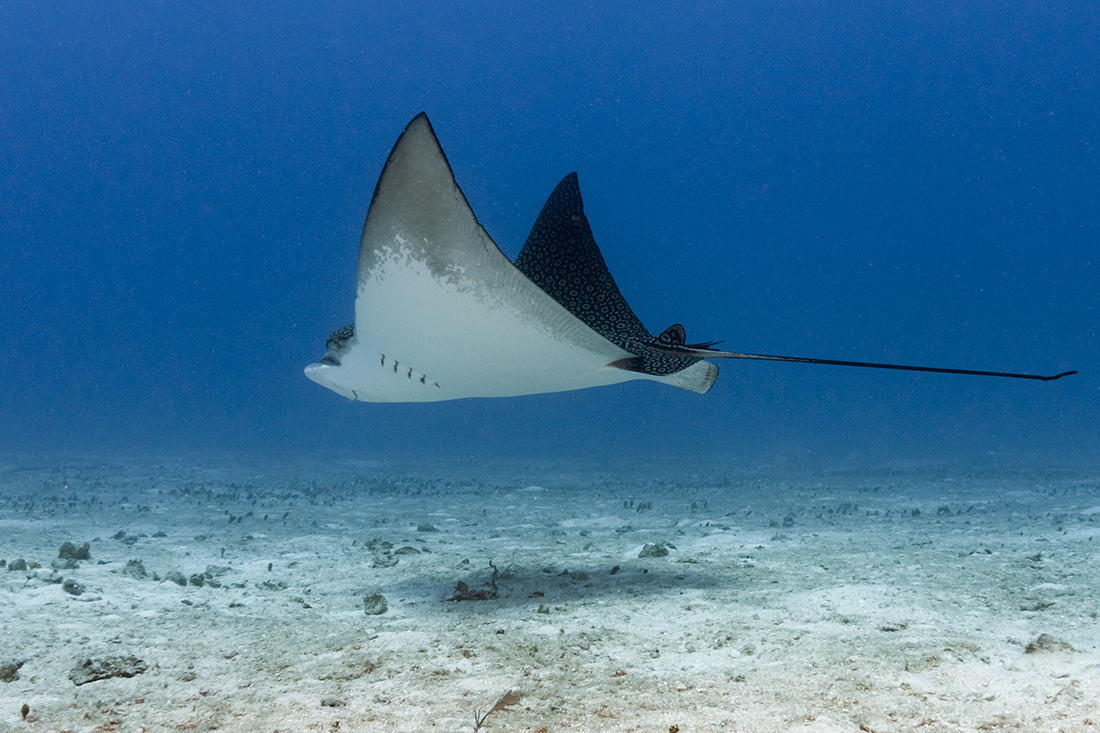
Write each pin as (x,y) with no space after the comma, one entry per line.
(672,368)
(562,258)
(440,311)
(698,377)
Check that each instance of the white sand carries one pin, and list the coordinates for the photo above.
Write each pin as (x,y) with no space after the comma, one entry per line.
(855,616)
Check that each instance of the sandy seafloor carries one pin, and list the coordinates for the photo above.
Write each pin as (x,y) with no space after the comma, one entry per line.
(792,598)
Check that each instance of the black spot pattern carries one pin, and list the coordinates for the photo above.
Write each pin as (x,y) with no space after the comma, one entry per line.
(335,343)
(339,337)
(561,257)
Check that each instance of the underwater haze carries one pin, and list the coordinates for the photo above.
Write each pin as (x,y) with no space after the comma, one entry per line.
(183,186)
(195,536)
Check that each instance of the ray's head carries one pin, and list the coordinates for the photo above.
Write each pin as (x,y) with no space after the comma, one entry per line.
(328,371)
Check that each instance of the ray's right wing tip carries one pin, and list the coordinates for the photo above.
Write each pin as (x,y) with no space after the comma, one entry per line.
(697,378)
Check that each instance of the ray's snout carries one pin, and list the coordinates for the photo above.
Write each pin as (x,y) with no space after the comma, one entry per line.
(327,375)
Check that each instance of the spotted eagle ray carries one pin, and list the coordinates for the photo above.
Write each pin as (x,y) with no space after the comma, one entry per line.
(442,314)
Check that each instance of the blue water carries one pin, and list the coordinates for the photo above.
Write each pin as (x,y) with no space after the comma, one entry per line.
(182,187)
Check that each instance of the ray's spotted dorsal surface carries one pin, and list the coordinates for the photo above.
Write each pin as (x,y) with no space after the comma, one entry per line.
(442,314)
